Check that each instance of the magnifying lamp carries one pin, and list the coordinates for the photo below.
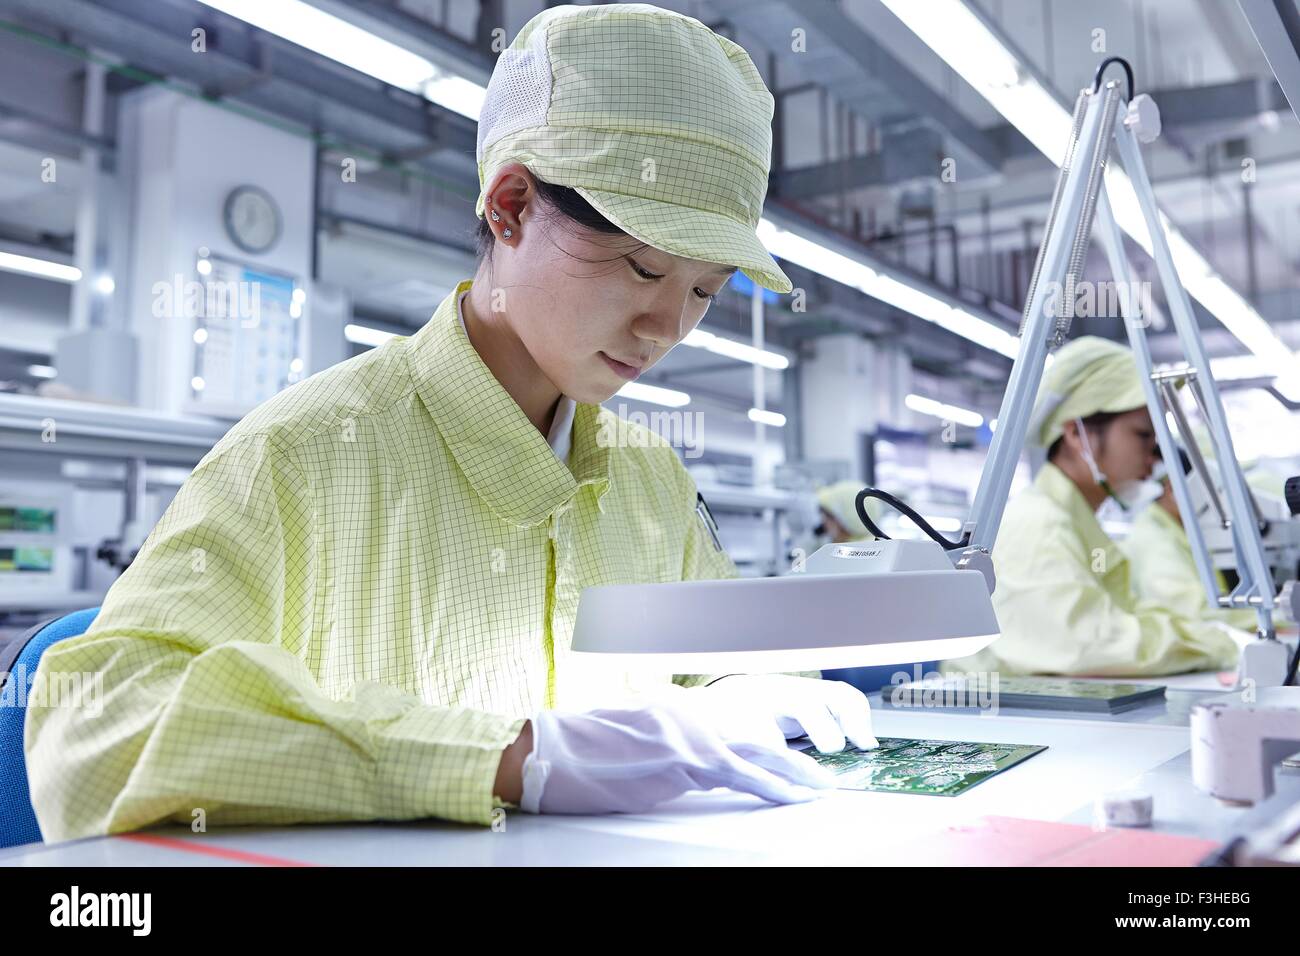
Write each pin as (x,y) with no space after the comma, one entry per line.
(878,602)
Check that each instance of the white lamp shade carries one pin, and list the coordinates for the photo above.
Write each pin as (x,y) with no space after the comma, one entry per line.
(798,622)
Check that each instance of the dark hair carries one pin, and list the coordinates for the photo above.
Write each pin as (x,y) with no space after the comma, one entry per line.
(1095,420)
(565,203)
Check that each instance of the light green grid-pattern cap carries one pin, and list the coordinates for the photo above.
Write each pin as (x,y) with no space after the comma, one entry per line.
(1088,375)
(662,125)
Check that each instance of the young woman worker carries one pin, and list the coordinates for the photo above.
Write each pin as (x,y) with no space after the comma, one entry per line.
(360,604)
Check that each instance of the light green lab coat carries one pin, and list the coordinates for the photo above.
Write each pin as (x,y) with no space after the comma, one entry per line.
(1065,604)
(356,600)
(1164,571)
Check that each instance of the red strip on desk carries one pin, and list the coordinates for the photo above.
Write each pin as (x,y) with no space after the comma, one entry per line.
(224,853)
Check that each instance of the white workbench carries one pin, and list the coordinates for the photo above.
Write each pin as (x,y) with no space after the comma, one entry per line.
(1087,755)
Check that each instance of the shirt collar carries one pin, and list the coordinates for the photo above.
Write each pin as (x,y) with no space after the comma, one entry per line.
(501,453)
(561,434)
(1059,488)
(561,421)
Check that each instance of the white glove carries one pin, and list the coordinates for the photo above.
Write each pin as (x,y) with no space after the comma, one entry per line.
(777,707)
(629,760)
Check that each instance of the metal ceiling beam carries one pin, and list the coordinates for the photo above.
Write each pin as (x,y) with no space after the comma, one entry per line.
(268,73)
(31,129)
(1218,103)
(914,153)
(914,95)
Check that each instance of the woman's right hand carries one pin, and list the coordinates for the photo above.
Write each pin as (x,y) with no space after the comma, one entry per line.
(628,760)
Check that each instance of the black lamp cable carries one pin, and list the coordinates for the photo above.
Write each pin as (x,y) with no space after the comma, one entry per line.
(1128,74)
(887,498)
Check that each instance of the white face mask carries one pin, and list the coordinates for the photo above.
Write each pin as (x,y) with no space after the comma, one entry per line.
(1135,495)
(1131,496)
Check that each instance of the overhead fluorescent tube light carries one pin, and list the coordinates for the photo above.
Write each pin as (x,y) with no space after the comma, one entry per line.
(975,329)
(457,94)
(764,417)
(365,335)
(805,252)
(911,299)
(802,251)
(1207,287)
(41,268)
(965,42)
(1236,368)
(720,345)
(638,391)
(952,413)
(358,48)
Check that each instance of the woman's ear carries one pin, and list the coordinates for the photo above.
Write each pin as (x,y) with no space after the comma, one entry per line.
(1071,441)
(511,196)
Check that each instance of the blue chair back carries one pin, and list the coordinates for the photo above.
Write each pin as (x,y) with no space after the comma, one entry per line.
(18,668)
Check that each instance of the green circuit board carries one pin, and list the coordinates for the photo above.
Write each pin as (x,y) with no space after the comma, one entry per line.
(943,768)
